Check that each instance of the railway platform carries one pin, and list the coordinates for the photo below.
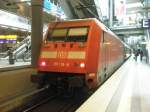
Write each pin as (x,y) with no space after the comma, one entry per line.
(127,90)
(4,64)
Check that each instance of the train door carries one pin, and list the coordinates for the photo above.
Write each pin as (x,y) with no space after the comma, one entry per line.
(103,59)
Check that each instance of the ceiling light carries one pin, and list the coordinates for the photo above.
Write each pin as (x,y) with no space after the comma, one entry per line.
(132,5)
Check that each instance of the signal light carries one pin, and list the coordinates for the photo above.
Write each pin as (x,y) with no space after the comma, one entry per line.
(82,65)
(43,63)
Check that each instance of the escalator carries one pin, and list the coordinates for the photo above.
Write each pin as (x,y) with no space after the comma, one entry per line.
(27,56)
(20,50)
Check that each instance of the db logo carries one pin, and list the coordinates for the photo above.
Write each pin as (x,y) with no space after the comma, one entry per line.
(62,54)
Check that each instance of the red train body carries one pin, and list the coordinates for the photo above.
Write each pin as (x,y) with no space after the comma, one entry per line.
(79,53)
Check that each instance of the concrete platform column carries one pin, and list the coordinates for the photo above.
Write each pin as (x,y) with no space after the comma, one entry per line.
(37,29)
(111,12)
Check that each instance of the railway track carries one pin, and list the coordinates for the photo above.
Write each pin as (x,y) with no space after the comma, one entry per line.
(39,104)
(57,104)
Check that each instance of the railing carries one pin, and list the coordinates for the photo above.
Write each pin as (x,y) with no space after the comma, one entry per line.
(27,56)
(27,40)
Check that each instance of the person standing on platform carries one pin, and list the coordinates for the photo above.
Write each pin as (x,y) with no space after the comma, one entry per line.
(26,48)
(141,55)
(146,55)
(11,57)
(136,54)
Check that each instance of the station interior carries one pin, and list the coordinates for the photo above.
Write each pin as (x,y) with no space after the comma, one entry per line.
(23,25)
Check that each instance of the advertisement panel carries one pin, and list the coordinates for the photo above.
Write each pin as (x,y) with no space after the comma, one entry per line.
(51,8)
(120,9)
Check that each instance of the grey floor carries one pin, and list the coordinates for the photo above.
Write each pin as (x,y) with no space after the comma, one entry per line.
(4,63)
(128,90)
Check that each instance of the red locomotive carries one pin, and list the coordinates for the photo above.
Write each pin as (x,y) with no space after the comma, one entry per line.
(79,53)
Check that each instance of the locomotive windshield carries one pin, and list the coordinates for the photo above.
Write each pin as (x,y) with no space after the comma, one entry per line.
(77,34)
(57,35)
(68,34)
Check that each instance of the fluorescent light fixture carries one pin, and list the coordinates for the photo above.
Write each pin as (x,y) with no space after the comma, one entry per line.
(4,26)
(24,29)
(24,0)
(14,28)
(144,43)
(133,5)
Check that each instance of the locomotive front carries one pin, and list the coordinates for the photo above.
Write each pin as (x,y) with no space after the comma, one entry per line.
(64,50)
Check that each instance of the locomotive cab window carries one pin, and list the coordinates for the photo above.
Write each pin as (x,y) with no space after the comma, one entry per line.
(57,35)
(68,34)
(77,34)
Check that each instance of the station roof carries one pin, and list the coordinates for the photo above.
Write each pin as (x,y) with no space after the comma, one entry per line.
(23,8)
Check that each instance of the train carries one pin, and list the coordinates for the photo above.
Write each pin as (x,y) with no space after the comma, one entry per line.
(78,53)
